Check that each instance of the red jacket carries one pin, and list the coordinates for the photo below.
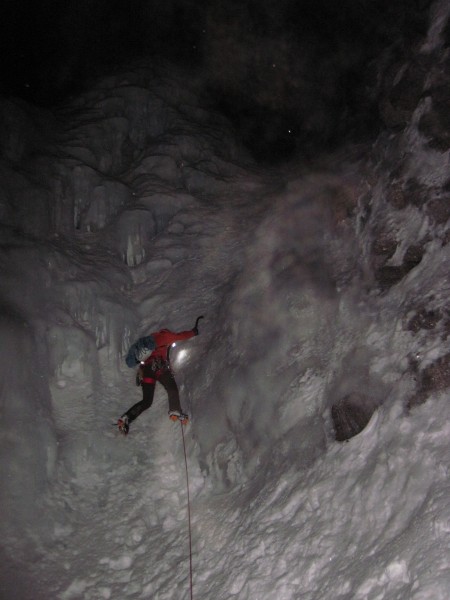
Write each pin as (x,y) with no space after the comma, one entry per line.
(164,339)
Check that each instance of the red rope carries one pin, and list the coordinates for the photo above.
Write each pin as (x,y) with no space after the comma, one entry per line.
(189,515)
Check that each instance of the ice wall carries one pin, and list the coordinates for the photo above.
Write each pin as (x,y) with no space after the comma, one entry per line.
(28,439)
(85,193)
(65,322)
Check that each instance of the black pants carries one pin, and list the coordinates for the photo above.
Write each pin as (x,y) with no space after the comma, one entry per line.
(167,380)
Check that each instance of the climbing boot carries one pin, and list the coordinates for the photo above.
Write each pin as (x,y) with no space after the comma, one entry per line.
(123,425)
(176,415)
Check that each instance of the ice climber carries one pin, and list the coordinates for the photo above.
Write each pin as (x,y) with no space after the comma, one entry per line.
(155,367)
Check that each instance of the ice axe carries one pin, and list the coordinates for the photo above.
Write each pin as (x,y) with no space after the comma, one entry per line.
(195,328)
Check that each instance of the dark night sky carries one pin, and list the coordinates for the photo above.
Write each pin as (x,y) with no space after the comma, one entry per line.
(300,66)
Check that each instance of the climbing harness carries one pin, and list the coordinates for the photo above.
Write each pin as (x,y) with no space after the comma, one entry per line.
(189,513)
(159,365)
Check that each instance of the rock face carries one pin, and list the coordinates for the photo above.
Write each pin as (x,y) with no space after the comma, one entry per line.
(405,215)
(434,378)
(403,87)
(389,275)
(351,414)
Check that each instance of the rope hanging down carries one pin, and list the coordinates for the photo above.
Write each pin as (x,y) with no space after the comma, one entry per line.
(189,514)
